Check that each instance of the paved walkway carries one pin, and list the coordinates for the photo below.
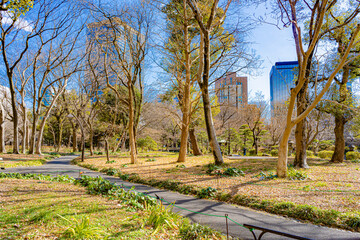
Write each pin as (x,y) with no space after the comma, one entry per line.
(61,166)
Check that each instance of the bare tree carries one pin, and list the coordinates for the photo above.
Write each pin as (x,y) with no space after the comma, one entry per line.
(122,35)
(206,27)
(316,29)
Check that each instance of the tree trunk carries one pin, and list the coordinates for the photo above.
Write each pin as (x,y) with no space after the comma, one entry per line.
(338,156)
(186,93)
(28,136)
(131,126)
(24,140)
(194,143)
(107,150)
(40,136)
(300,160)
(15,118)
(33,133)
(2,129)
(91,136)
(281,169)
(82,145)
(215,147)
(61,124)
(74,138)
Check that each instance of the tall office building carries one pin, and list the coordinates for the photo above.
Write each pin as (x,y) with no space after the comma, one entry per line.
(282,78)
(232,90)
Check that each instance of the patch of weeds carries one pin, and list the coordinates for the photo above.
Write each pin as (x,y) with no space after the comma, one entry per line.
(208,192)
(266,176)
(352,221)
(305,212)
(223,197)
(180,166)
(212,167)
(321,184)
(151,160)
(294,174)
(196,231)
(110,171)
(307,188)
(233,172)
(284,206)
(112,161)
(124,165)
(161,217)
(82,229)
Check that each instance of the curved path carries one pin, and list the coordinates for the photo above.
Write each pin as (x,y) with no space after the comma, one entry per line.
(61,166)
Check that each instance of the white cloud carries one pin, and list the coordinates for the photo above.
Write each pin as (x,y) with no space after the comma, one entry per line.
(21,23)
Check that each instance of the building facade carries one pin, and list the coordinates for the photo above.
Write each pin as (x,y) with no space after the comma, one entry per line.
(282,78)
(232,90)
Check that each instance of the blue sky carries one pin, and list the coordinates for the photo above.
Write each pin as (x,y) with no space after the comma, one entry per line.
(272,45)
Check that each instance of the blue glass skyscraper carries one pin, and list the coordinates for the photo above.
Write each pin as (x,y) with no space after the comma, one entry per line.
(282,78)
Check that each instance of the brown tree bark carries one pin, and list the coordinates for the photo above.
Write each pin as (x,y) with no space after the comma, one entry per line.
(300,160)
(59,140)
(194,142)
(74,138)
(91,137)
(204,69)
(33,134)
(107,150)
(15,114)
(24,129)
(186,93)
(2,129)
(82,145)
(338,156)
(132,139)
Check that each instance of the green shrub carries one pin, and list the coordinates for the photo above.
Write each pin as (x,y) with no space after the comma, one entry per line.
(325,154)
(326,145)
(208,192)
(274,152)
(352,155)
(309,153)
(147,144)
(252,152)
(109,171)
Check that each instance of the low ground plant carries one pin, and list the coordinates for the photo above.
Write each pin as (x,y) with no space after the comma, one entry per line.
(325,154)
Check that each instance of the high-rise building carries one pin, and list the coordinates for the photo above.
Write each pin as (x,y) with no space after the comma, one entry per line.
(282,78)
(232,90)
